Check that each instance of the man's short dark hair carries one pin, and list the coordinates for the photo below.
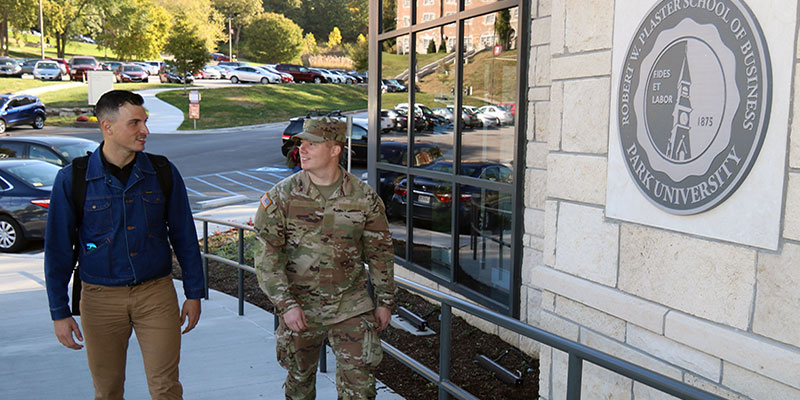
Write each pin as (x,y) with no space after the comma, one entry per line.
(109,103)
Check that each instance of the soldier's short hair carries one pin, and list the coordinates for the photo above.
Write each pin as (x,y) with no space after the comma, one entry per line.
(108,105)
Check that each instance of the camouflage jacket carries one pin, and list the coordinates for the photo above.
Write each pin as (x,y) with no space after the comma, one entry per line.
(313,250)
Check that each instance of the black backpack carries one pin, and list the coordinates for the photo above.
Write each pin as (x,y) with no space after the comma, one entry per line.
(79,165)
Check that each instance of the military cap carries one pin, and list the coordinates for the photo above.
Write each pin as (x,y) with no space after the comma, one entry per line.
(319,130)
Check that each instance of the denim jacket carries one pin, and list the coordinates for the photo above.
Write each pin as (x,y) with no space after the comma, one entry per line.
(124,238)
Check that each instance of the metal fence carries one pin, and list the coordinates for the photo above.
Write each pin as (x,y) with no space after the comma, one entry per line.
(578,353)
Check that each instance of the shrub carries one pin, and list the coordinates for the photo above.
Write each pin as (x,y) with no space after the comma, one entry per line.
(273,38)
(431,47)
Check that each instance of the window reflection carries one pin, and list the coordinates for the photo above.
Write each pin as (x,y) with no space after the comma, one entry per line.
(484,265)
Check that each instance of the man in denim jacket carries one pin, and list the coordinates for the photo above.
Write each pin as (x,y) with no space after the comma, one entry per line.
(124,255)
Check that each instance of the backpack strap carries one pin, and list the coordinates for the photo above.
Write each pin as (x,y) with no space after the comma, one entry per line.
(79,166)
(163,173)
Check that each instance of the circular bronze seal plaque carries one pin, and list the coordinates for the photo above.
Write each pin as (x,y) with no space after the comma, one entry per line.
(694,102)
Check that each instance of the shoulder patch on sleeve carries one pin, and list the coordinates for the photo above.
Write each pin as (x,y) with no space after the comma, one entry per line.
(266,201)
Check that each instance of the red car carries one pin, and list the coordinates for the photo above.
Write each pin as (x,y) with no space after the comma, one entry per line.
(130,73)
(80,65)
(63,64)
(219,57)
(510,107)
(301,73)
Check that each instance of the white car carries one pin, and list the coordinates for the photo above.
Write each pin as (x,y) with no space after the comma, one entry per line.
(47,70)
(347,78)
(253,74)
(285,76)
(149,68)
(488,121)
(211,72)
(503,115)
(329,77)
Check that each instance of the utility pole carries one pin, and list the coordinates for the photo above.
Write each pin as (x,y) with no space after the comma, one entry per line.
(41,28)
(230,39)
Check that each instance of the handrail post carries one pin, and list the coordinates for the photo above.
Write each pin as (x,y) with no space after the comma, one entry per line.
(205,260)
(444,349)
(574,372)
(241,272)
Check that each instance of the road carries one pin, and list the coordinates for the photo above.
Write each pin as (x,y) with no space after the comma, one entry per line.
(242,161)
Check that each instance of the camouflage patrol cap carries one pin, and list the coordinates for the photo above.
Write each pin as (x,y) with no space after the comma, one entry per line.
(319,130)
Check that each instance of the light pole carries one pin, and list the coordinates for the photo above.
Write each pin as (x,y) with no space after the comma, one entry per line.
(41,28)
(230,40)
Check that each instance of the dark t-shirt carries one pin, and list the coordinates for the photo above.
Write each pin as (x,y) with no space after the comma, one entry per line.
(120,173)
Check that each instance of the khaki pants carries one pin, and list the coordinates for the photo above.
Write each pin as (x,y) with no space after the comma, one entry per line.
(109,313)
(355,343)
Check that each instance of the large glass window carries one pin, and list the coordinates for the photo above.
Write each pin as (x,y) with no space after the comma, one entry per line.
(446,164)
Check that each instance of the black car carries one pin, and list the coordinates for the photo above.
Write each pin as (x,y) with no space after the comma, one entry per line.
(168,74)
(397,153)
(432,199)
(10,67)
(21,109)
(57,150)
(358,134)
(24,199)
(401,121)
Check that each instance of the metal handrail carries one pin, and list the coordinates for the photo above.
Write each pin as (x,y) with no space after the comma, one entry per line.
(578,353)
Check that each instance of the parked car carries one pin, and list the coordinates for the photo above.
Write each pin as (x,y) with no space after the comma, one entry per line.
(25,187)
(21,109)
(301,73)
(510,107)
(80,65)
(397,153)
(157,64)
(47,70)
(487,120)
(10,67)
(330,77)
(285,76)
(209,72)
(505,116)
(110,65)
(401,121)
(28,64)
(358,135)
(130,73)
(253,74)
(169,74)
(57,150)
(388,120)
(388,86)
(468,117)
(362,78)
(432,198)
(420,110)
(342,73)
(233,64)
(150,69)
(86,39)
(63,64)
(219,57)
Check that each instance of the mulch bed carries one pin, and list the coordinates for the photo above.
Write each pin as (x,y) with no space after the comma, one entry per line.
(467,342)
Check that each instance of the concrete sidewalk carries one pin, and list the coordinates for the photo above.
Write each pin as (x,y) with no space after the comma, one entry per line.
(226,357)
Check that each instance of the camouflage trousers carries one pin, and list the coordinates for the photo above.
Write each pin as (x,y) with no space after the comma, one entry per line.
(355,343)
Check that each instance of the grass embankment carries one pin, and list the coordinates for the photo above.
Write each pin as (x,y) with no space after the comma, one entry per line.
(29,47)
(259,104)
(394,64)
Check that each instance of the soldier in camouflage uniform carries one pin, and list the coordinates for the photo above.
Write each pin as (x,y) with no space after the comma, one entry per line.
(318,227)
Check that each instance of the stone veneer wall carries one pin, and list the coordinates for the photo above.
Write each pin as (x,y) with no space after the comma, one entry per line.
(719,316)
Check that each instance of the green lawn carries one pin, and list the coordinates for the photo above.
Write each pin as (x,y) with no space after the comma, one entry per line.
(78,96)
(32,49)
(394,64)
(11,85)
(225,107)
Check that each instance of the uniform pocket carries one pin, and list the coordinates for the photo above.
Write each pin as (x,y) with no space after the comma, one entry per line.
(154,206)
(285,348)
(372,354)
(97,217)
